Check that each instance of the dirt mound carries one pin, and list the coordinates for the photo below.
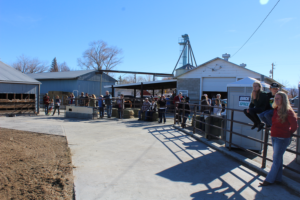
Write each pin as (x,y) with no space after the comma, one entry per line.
(34,166)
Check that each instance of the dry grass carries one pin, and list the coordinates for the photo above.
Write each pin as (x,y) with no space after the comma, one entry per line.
(34,166)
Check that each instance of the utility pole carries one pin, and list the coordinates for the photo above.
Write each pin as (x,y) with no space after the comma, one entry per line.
(272,70)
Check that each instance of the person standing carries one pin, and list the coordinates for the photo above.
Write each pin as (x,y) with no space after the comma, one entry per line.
(101,106)
(217,107)
(152,109)
(81,99)
(108,101)
(177,100)
(259,103)
(93,101)
(87,100)
(162,109)
(51,106)
(145,107)
(204,109)
(120,103)
(284,124)
(57,103)
(187,111)
(46,103)
(208,99)
(267,115)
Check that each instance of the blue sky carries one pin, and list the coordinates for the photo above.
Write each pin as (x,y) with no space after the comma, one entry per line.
(148,32)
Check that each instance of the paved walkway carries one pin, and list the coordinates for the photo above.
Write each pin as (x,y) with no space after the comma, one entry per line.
(131,160)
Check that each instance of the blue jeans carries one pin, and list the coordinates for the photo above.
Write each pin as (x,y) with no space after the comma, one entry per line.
(120,113)
(279,147)
(162,115)
(108,110)
(140,114)
(186,117)
(101,111)
(46,109)
(266,117)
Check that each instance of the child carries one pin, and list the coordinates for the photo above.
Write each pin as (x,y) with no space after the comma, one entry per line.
(51,107)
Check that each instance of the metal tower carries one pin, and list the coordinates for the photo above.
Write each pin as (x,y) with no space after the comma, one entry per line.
(187,54)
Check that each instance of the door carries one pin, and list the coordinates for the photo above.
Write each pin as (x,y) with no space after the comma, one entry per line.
(216,84)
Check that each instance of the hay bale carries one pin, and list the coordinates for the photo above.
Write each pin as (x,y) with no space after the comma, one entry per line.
(136,112)
(155,116)
(114,112)
(128,113)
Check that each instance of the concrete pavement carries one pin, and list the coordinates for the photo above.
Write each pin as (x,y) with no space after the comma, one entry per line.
(128,159)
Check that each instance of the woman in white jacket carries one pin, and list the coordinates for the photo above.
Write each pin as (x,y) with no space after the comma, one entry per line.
(218,110)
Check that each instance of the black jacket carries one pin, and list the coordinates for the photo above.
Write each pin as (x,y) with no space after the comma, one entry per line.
(262,103)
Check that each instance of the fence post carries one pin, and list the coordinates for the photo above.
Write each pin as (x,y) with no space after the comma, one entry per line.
(194,119)
(183,115)
(175,114)
(266,138)
(134,102)
(231,127)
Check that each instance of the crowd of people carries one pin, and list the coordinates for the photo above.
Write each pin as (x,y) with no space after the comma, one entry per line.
(267,109)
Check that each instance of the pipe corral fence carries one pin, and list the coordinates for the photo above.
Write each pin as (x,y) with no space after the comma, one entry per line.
(136,103)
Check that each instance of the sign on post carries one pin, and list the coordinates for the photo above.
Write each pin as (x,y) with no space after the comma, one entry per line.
(244,101)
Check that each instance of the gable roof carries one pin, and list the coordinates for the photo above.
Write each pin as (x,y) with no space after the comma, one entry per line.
(9,74)
(63,75)
(217,58)
(60,75)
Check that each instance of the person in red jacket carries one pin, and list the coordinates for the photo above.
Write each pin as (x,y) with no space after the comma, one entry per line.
(46,103)
(284,124)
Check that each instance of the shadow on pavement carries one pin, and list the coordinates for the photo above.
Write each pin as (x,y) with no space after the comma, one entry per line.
(217,176)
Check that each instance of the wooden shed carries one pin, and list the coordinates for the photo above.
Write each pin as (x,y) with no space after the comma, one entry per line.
(19,93)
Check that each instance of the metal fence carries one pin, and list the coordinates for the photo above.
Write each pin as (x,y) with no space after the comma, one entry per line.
(181,114)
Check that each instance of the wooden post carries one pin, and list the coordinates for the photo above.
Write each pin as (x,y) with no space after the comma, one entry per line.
(142,91)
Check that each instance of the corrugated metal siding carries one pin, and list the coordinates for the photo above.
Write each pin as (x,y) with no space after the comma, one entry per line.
(58,85)
(91,87)
(21,89)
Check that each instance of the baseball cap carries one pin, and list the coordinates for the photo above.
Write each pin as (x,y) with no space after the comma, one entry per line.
(274,85)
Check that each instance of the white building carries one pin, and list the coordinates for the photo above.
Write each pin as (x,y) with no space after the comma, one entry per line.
(213,76)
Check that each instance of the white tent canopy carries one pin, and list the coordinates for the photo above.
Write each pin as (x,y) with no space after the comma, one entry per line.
(247,82)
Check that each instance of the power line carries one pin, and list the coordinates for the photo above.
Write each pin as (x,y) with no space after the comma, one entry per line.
(256,29)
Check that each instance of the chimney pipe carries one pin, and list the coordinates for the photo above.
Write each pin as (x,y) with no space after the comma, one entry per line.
(243,65)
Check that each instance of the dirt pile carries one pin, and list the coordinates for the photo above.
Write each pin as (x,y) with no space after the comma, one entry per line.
(34,166)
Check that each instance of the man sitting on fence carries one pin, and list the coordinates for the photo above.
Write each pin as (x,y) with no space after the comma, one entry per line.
(145,107)
(267,115)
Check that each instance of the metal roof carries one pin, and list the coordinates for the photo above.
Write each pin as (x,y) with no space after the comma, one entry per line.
(144,83)
(60,75)
(187,66)
(10,75)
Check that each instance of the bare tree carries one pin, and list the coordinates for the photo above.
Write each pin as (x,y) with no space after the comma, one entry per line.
(63,67)
(27,65)
(293,92)
(99,56)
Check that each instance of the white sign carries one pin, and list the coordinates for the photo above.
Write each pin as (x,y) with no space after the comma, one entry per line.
(245,98)
(244,104)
